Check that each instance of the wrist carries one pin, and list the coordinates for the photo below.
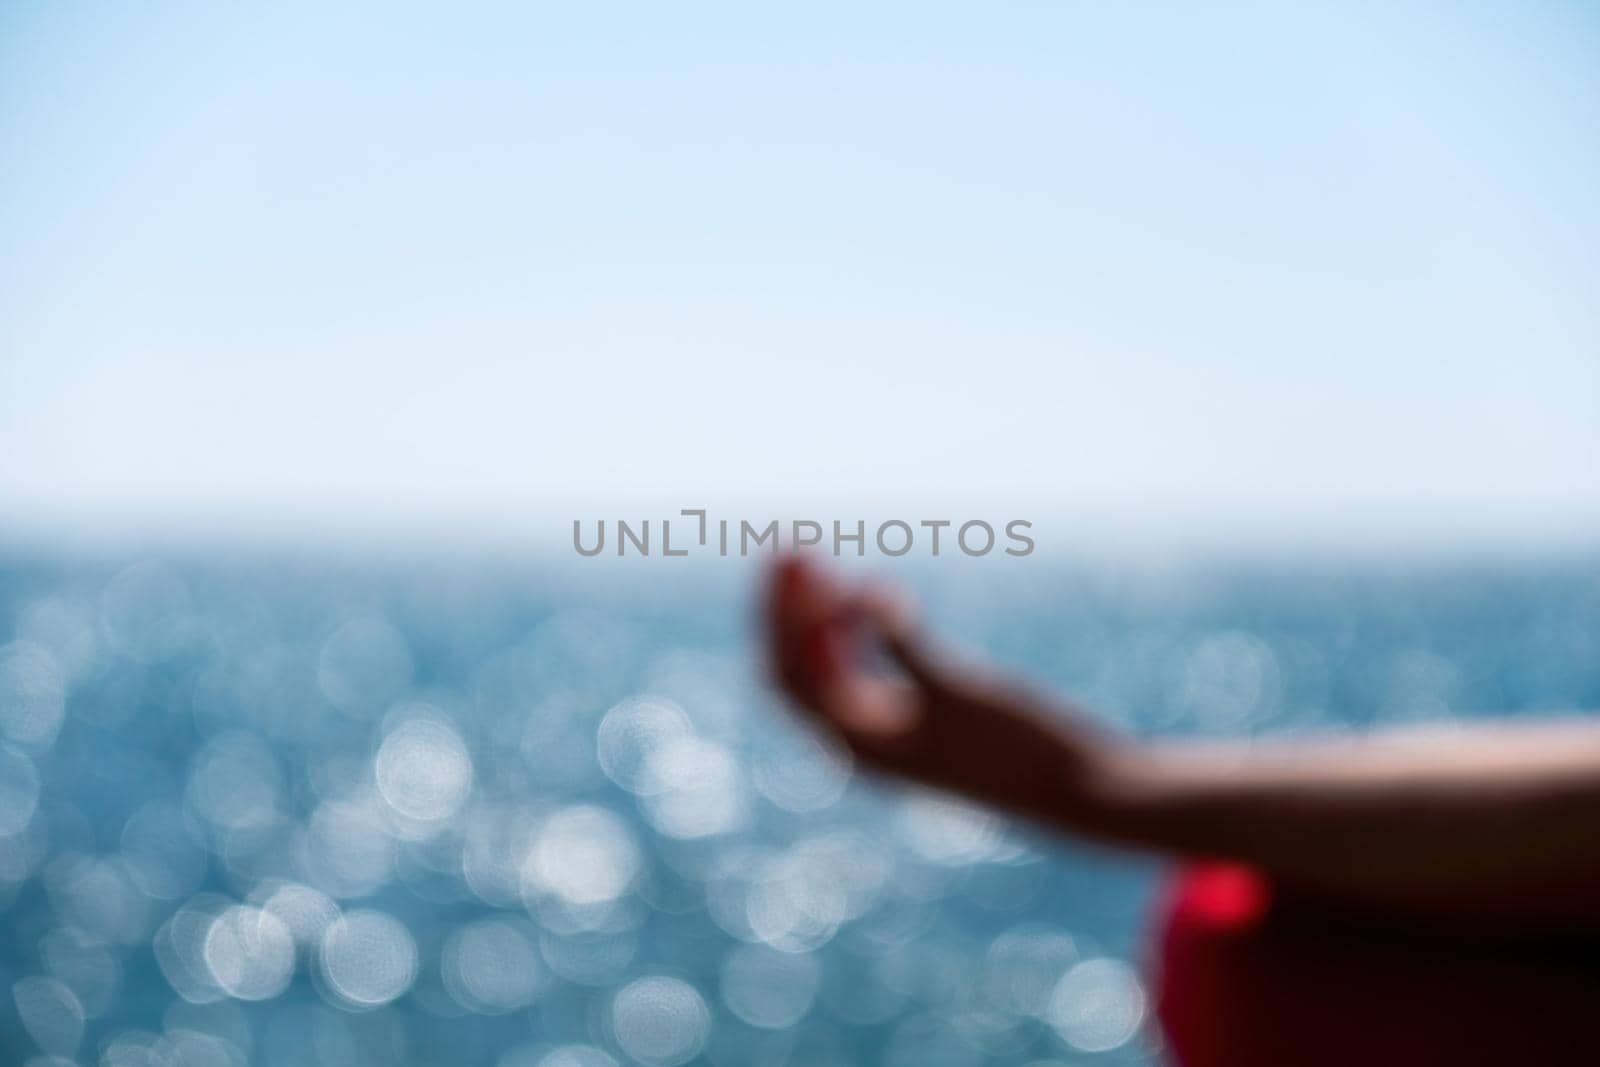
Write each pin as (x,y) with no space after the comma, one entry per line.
(1110,790)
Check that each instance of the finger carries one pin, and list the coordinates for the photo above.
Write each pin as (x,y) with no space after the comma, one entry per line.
(874,715)
(782,578)
(895,624)
(785,626)
(803,610)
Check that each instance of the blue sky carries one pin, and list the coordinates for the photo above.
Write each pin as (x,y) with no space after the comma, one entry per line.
(1271,267)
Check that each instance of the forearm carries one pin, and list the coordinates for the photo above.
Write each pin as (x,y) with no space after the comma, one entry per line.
(1472,815)
(1477,815)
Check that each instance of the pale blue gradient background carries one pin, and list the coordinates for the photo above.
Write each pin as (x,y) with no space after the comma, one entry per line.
(1259,270)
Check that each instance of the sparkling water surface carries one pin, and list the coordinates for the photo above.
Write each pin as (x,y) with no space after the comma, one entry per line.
(344,812)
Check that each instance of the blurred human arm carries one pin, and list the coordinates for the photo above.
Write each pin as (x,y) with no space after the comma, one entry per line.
(1476,815)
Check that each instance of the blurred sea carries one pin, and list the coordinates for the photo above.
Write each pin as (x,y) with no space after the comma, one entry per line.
(342,811)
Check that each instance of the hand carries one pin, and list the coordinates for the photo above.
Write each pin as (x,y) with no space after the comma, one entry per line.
(945,725)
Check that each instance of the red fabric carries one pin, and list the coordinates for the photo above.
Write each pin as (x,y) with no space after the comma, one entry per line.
(1251,978)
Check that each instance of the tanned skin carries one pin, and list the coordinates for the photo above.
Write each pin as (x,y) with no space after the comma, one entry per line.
(1500,817)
